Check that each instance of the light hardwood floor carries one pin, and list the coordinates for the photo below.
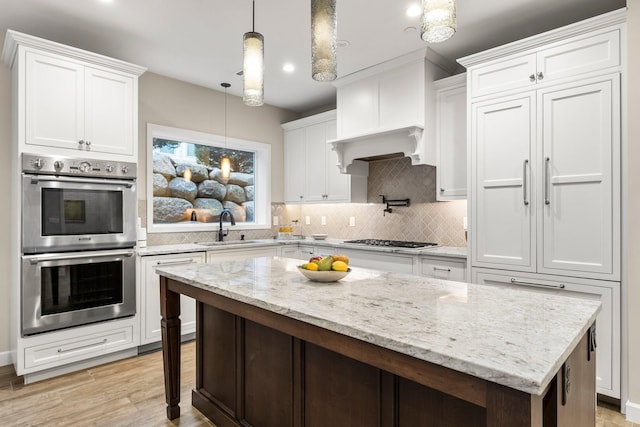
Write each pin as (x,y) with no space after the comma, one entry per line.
(129,392)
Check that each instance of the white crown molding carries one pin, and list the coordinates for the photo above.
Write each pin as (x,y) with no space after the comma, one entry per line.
(14,39)
(609,19)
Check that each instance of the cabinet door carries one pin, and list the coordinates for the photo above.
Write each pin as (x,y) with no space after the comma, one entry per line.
(294,165)
(503,223)
(504,74)
(109,113)
(451,173)
(442,268)
(580,132)
(315,159)
(338,184)
(54,102)
(607,322)
(151,331)
(579,55)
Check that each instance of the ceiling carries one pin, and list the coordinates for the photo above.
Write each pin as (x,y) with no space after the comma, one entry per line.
(200,41)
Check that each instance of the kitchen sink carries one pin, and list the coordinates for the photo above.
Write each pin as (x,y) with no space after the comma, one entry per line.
(227,243)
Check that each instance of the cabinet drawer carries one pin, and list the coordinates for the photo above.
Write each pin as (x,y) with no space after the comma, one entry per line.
(442,269)
(79,348)
(607,322)
(379,261)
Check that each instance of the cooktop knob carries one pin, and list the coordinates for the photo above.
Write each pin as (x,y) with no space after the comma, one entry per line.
(37,163)
(125,169)
(85,167)
(58,165)
(109,168)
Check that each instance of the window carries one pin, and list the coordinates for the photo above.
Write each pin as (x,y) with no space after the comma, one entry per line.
(185,187)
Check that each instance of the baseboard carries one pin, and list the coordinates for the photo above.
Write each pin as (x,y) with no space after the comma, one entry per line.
(5,358)
(633,411)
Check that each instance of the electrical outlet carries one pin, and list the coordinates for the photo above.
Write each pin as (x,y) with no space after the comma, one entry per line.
(307,220)
(323,220)
(275,220)
(352,221)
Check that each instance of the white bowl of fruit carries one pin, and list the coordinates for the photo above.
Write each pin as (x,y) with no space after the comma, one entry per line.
(326,269)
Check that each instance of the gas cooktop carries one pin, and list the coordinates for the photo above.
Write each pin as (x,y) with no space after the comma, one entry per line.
(391,243)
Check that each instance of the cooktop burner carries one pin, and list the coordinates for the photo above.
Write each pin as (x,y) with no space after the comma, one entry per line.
(391,243)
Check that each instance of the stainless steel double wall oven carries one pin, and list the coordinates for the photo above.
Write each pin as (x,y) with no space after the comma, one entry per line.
(78,242)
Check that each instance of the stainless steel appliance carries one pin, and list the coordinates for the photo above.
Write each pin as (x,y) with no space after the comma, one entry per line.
(77,204)
(391,243)
(78,239)
(67,289)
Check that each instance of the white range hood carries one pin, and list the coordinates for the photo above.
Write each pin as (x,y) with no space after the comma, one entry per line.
(389,110)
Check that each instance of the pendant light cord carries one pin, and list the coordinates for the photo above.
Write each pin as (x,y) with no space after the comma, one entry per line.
(253,19)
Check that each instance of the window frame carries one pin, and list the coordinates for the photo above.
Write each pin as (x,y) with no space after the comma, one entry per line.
(262,178)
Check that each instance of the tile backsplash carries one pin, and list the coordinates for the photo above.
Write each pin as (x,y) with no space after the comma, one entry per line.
(423,220)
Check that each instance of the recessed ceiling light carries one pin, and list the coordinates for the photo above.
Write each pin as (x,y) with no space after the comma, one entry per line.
(414,10)
(288,68)
(342,43)
(106,1)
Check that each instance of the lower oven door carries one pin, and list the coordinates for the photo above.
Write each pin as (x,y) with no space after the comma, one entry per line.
(71,289)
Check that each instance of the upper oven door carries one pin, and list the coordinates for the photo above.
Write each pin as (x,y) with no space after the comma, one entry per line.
(69,213)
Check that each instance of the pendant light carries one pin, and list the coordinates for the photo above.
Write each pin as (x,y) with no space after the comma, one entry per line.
(225,162)
(253,66)
(324,32)
(438,21)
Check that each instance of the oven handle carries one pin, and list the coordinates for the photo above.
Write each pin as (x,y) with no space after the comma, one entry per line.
(57,257)
(104,181)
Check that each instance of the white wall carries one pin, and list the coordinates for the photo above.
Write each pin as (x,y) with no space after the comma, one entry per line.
(633,211)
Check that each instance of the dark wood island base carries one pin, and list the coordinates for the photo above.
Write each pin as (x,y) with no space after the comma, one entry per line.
(259,368)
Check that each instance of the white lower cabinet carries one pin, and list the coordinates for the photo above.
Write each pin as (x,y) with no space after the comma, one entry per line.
(607,323)
(442,268)
(150,295)
(303,252)
(395,263)
(233,254)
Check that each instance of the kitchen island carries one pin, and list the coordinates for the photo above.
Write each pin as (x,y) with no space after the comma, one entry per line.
(379,349)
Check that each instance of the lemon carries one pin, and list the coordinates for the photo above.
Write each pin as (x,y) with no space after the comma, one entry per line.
(339,266)
(312,266)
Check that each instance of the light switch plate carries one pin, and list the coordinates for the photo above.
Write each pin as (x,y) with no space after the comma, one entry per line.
(323,220)
(352,221)
(275,220)
(307,220)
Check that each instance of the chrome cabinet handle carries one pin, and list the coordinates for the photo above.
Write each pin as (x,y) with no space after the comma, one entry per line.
(524,182)
(536,285)
(532,78)
(66,350)
(176,262)
(81,142)
(448,270)
(64,256)
(547,180)
(540,75)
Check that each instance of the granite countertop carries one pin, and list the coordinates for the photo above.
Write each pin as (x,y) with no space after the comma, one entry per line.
(512,336)
(441,251)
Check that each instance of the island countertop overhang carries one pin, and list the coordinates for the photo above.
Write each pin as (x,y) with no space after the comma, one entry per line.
(514,337)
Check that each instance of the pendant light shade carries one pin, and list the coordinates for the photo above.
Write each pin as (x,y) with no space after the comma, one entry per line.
(438,21)
(253,66)
(225,162)
(324,33)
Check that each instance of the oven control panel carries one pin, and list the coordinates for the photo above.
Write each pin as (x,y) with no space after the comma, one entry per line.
(69,166)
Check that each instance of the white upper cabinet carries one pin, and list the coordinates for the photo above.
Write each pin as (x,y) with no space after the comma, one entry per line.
(73,102)
(565,59)
(451,137)
(311,173)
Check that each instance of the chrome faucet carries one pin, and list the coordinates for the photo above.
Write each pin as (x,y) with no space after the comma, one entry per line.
(222,234)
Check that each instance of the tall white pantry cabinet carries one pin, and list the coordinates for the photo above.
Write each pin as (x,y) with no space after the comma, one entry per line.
(545,171)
